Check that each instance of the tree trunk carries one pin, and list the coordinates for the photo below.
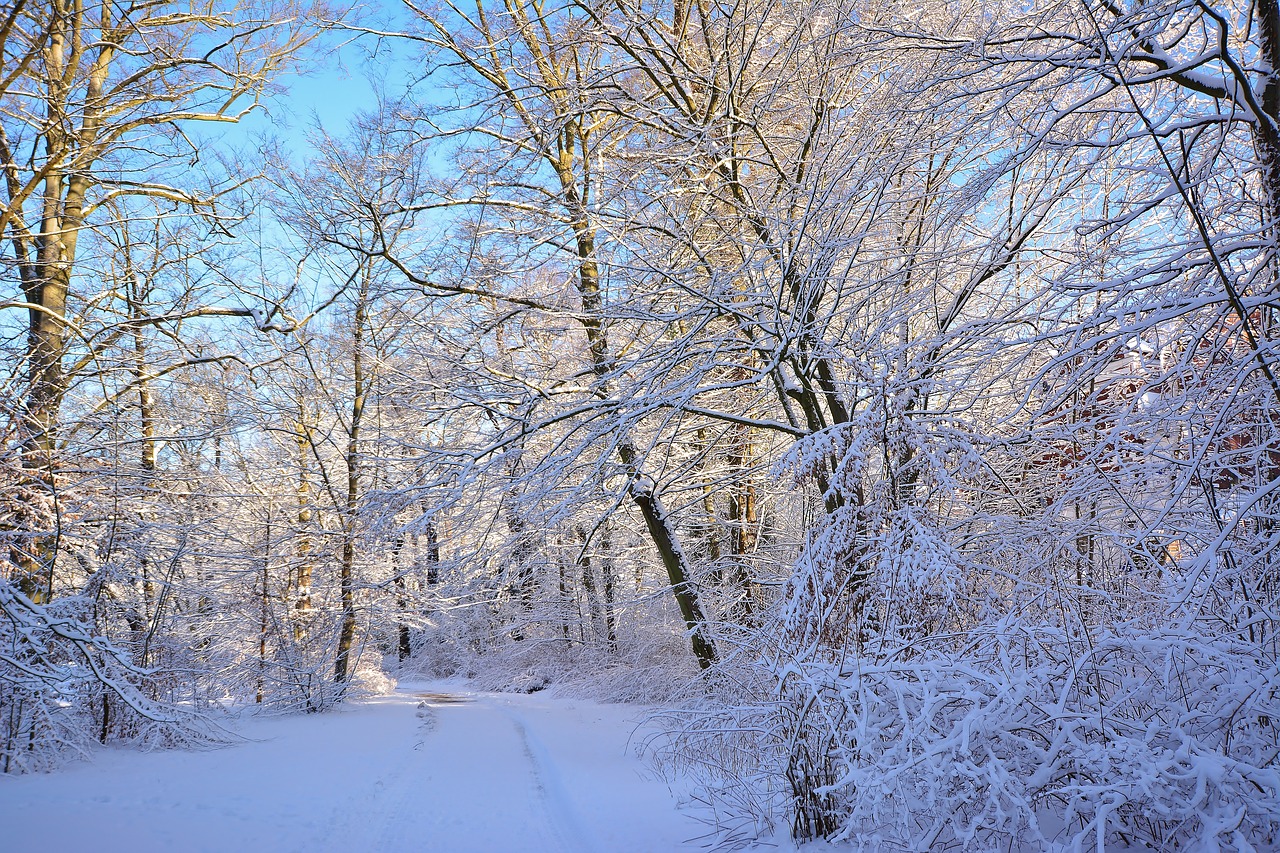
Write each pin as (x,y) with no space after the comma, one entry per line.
(433,555)
(346,634)
(642,488)
(264,611)
(302,604)
(404,647)
(589,587)
(742,509)
(607,576)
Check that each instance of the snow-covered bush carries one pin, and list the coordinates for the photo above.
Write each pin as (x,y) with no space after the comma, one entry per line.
(63,688)
(1005,737)
(1020,678)
(370,680)
(1165,740)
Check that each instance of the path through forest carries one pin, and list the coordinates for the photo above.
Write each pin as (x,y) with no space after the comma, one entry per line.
(424,769)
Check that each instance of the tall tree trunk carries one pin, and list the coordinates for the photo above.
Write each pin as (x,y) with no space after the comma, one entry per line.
(519,571)
(45,267)
(134,289)
(433,555)
(642,488)
(567,601)
(264,611)
(305,568)
(347,632)
(404,648)
(743,511)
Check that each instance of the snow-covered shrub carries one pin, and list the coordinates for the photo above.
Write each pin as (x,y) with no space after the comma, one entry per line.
(63,688)
(650,666)
(922,722)
(950,671)
(729,754)
(1159,739)
(370,680)
(1006,738)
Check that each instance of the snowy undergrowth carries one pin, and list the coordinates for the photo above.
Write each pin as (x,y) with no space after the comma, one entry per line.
(1021,739)
(931,683)
(647,667)
(1164,741)
(64,690)
(369,680)
(910,695)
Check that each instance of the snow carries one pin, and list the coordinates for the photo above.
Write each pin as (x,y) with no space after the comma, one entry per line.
(428,768)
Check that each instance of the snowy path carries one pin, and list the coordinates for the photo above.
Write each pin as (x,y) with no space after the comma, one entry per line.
(454,773)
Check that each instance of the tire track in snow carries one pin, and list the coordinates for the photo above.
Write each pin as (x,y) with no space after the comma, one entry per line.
(391,820)
(357,822)
(344,834)
(550,790)
(420,807)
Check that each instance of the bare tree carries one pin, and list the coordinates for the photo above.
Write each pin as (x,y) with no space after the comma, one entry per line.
(91,111)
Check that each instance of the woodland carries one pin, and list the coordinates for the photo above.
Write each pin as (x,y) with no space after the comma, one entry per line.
(885,390)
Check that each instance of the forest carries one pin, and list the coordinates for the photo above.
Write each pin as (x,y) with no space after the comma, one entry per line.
(888,391)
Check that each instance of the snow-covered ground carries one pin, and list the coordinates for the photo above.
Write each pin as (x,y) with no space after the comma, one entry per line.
(429,768)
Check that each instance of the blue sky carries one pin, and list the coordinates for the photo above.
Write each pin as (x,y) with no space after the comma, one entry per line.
(336,82)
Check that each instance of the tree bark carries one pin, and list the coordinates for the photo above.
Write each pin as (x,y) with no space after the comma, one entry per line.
(346,579)
(305,568)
